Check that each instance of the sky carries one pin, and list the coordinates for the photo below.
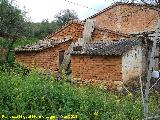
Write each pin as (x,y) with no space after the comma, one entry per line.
(38,10)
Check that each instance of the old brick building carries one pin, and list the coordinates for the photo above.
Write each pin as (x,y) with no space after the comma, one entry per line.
(108,62)
(94,47)
(127,18)
(48,53)
(43,55)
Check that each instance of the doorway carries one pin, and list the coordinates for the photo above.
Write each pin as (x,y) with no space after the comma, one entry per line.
(61,57)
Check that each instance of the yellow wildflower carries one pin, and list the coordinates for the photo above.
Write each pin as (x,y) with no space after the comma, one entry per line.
(130,95)
(96,113)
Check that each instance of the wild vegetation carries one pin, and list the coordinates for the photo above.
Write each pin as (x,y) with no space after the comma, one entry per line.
(40,94)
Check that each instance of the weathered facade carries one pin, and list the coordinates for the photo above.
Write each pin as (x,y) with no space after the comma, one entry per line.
(43,56)
(74,29)
(111,63)
(92,69)
(128,18)
(133,63)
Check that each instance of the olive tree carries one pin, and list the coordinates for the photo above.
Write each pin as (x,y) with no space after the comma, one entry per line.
(12,24)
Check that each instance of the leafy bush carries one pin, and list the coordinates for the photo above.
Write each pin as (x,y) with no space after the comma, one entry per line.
(3,43)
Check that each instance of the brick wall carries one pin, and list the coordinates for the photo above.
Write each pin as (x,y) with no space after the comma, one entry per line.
(106,35)
(96,68)
(75,30)
(45,59)
(128,18)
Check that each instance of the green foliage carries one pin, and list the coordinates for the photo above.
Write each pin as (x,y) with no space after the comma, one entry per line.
(40,94)
(25,41)
(41,30)
(65,16)
(12,22)
(3,43)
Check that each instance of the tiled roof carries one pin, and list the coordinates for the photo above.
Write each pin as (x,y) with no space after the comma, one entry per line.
(41,45)
(106,48)
(122,3)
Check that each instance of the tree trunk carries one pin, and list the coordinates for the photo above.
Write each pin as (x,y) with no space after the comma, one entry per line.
(7,61)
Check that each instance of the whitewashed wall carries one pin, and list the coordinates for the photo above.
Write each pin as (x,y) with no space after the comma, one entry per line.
(157,58)
(133,63)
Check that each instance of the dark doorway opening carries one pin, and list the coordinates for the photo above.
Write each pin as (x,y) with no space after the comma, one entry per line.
(61,56)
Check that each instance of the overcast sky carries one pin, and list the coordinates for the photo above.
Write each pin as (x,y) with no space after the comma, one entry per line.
(39,10)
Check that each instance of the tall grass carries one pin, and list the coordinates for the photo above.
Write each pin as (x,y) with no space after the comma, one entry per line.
(40,94)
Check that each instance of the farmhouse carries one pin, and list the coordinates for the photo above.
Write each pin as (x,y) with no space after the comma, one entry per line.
(108,47)
(50,52)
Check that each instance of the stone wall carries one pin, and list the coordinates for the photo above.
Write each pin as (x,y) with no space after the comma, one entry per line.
(45,59)
(101,69)
(127,18)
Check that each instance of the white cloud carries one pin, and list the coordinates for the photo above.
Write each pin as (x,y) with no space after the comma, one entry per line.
(46,9)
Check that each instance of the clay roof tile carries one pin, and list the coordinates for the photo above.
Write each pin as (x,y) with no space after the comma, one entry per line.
(106,48)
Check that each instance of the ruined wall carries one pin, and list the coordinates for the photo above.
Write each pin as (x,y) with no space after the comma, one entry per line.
(133,64)
(45,59)
(127,18)
(74,30)
(96,69)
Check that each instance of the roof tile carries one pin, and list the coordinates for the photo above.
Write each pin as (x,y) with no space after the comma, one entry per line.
(41,45)
(106,48)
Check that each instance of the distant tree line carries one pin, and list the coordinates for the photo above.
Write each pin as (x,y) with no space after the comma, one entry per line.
(42,29)
(13,23)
